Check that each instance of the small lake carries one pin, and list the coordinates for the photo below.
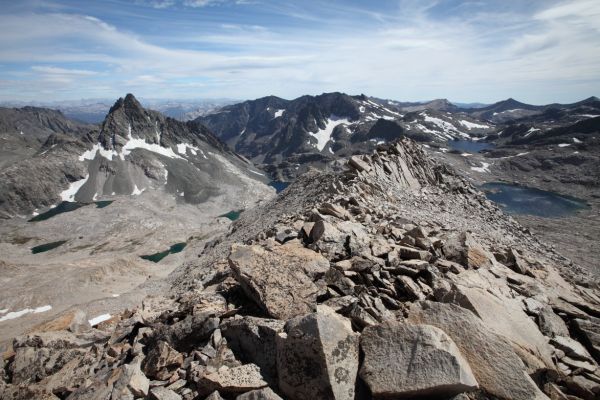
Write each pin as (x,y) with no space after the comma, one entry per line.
(156,257)
(232,215)
(67,206)
(469,146)
(531,201)
(279,185)
(47,246)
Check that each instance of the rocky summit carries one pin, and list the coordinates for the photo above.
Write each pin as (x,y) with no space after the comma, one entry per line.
(393,278)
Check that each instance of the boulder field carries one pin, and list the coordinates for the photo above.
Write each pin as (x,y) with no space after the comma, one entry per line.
(394,279)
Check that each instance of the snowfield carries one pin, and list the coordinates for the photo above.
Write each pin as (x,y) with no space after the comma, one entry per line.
(324,135)
(17,314)
(69,194)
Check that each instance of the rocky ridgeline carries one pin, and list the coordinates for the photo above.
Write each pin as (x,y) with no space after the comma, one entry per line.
(394,279)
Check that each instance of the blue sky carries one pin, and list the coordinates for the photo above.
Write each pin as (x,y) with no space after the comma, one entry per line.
(537,51)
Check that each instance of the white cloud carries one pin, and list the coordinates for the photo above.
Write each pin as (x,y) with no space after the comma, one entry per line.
(551,54)
(201,3)
(62,71)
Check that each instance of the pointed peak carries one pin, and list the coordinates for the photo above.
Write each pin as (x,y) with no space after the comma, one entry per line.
(129,103)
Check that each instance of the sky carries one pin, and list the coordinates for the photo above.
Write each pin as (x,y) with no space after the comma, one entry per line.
(536,51)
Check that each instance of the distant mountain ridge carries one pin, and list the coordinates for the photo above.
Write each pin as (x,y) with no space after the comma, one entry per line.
(289,134)
(134,150)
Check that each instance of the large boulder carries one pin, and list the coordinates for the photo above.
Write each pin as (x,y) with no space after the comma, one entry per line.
(162,361)
(260,394)
(317,357)
(233,380)
(277,280)
(489,299)
(405,361)
(253,340)
(465,250)
(495,365)
(342,239)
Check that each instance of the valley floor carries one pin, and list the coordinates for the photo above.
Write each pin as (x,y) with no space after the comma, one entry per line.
(99,268)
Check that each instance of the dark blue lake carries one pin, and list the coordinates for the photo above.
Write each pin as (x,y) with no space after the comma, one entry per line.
(67,206)
(469,146)
(525,200)
(232,215)
(156,257)
(47,246)
(279,185)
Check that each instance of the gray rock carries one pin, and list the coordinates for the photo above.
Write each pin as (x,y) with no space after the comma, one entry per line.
(162,361)
(589,331)
(358,164)
(233,380)
(551,324)
(214,396)
(488,298)
(465,250)
(261,394)
(496,367)
(408,253)
(517,263)
(317,357)
(162,393)
(571,347)
(131,379)
(276,280)
(253,340)
(404,360)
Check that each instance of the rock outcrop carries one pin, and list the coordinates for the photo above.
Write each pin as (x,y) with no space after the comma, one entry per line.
(317,357)
(398,256)
(405,361)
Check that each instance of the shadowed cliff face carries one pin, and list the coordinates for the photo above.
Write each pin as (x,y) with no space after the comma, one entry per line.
(135,150)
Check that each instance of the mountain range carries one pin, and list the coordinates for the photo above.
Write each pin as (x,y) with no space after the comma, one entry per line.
(133,150)
(287,136)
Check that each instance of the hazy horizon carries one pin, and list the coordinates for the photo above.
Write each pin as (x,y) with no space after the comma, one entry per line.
(466,51)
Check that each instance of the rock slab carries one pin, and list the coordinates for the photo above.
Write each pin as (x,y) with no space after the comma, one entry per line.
(497,368)
(317,357)
(276,280)
(405,361)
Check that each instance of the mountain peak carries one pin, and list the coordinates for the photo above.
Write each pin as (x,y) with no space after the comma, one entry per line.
(129,103)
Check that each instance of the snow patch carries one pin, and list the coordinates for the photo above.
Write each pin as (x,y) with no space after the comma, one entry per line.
(257,173)
(485,167)
(137,143)
(69,194)
(278,113)
(446,126)
(136,191)
(466,154)
(91,154)
(575,140)
(471,125)
(20,313)
(564,145)
(324,135)
(530,131)
(99,319)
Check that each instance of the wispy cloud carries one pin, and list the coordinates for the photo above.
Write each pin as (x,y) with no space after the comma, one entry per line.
(539,51)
